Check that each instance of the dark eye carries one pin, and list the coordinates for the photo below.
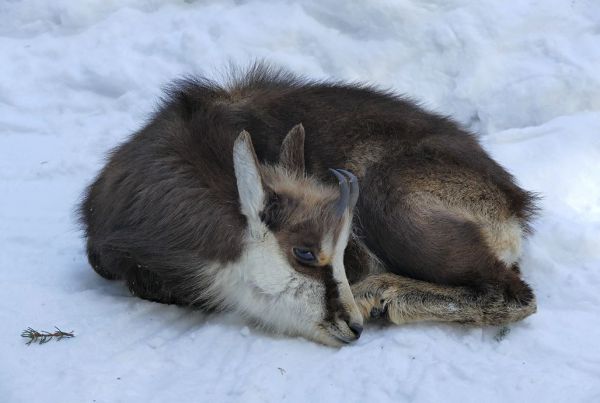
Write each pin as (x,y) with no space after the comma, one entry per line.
(304,255)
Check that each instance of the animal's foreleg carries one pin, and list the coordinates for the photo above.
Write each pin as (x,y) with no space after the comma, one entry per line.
(402,300)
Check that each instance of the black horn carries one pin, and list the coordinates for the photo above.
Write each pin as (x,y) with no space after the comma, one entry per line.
(354,190)
(342,203)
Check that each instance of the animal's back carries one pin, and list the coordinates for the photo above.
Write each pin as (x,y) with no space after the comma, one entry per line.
(433,204)
(357,126)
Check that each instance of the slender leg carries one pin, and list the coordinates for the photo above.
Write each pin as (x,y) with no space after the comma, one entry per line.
(402,300)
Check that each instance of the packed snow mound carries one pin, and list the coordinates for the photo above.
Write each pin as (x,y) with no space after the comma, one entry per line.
(80,76)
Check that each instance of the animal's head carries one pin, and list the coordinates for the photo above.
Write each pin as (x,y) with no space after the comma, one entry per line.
(293,265)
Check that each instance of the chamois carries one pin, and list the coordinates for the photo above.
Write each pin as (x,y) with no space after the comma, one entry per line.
(245,196)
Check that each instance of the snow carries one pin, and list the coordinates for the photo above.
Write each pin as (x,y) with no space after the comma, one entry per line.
(79,76)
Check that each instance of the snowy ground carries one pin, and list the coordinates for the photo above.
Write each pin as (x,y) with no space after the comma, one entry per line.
(78,76)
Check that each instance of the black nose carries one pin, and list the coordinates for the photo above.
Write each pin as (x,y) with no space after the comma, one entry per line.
(356,329)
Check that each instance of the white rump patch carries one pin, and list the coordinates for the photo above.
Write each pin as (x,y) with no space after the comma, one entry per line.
(505,239)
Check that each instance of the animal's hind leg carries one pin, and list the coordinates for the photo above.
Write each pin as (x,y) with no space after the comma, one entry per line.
(402,300)
(420,236)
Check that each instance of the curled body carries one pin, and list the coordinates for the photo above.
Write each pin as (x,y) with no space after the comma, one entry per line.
(225,201)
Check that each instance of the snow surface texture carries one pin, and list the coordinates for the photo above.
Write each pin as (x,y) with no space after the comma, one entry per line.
(78,76)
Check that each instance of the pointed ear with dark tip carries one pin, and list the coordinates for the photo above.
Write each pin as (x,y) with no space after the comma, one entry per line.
(291,156)
(249,180)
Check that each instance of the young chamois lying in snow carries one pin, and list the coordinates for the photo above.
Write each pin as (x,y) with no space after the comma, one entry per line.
(213,205)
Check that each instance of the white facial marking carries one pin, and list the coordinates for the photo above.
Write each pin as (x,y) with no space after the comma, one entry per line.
(339,273)
(327,246)
(264,287)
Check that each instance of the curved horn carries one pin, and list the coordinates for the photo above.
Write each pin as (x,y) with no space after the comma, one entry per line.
(354,191)
(342,202)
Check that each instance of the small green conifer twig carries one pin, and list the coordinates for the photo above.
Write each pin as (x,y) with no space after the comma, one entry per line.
(44,337)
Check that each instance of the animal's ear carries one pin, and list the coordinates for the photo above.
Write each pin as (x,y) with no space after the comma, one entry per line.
(248,176)
(291,156)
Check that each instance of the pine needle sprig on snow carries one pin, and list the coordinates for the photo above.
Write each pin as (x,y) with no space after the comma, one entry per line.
(44,337)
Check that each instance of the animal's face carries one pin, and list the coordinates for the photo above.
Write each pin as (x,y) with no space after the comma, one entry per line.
(297,233)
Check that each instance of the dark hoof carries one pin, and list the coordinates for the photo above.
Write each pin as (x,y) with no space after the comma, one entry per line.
(518,291)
